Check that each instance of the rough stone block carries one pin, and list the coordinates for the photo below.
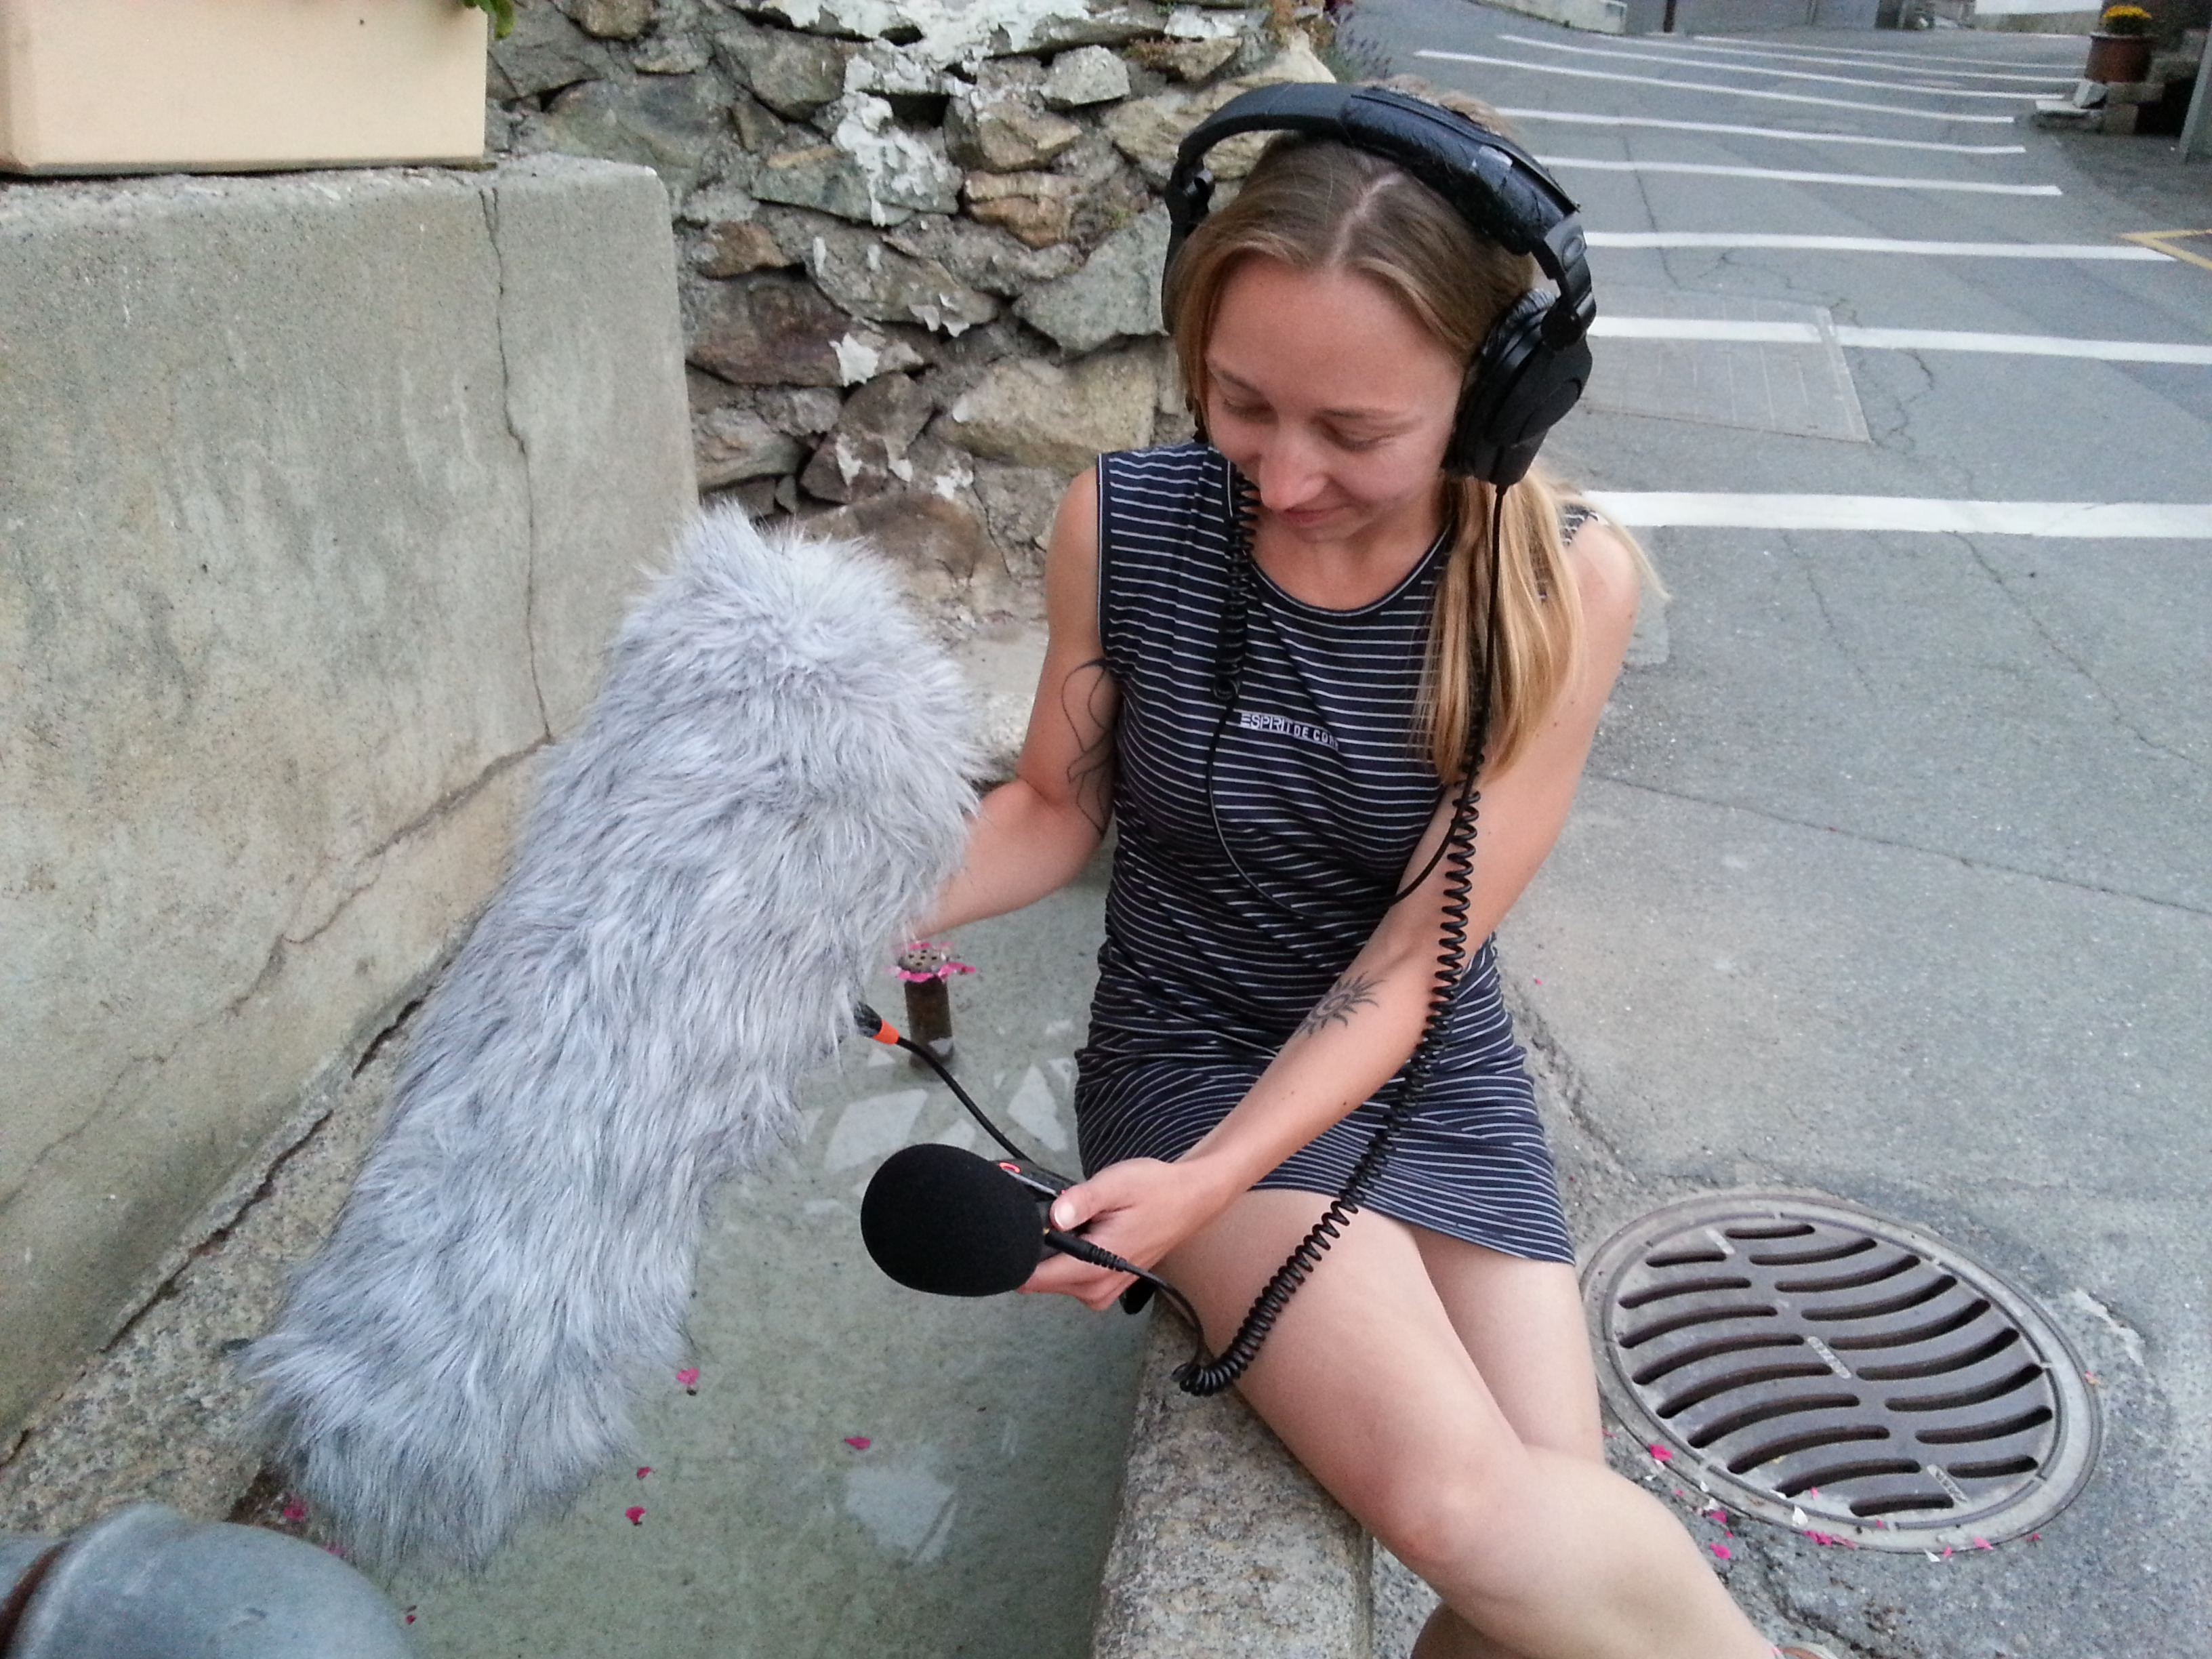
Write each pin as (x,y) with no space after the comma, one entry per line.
(668,125)
(545,53)
(1088,75)
(794,74)
(981,255)
(866,454)
(1030,413)
(740,250)
(1186,60)
(1005,132)
(1117,292)
(732,444)
(611,20)
(772,329)
(1037,208)
(1225,1547)
(324,494)
(883,285)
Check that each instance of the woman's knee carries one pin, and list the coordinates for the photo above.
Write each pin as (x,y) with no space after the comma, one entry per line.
(1443,1521)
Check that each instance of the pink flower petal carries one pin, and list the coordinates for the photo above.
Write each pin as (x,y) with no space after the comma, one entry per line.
(1660,1454)
(858,1441)
(294,1510)
(1722,1551)
(689,1378)
(1983,1544)
(635,1515)
(644,1469)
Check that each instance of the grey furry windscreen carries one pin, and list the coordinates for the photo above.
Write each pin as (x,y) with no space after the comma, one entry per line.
(771,784)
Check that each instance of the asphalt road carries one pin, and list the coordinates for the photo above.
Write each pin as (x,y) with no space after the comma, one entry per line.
(1889,880)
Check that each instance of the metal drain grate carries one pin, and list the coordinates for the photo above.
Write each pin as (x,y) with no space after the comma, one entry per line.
(1834,1372)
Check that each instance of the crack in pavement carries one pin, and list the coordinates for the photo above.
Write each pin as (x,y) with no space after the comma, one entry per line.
(2109,700)
(1805,567)
(1965,860)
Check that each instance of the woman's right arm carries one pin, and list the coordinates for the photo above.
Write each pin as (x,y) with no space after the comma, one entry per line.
(1032,836)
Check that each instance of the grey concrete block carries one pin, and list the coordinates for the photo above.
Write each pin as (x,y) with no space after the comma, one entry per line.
(321,493)
(1225,1547)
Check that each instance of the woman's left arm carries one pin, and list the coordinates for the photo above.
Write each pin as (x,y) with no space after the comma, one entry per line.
(1365,1028)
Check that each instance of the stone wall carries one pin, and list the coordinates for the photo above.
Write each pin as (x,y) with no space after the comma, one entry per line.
(921,243)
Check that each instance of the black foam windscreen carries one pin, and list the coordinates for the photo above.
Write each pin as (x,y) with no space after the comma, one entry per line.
(940,1220)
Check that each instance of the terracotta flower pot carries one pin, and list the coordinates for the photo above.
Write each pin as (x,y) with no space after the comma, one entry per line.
(2119,59)
(158,85)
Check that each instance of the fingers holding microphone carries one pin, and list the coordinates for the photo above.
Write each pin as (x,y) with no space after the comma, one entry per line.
(1137,1211)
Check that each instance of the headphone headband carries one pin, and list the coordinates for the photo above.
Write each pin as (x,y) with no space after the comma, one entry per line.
(1536,360)
(1492,183)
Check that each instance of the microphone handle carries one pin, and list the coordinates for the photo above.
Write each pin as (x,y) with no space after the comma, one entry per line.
(1083,1250)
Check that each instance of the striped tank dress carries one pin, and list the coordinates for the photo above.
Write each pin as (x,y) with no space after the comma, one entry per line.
(1242,889)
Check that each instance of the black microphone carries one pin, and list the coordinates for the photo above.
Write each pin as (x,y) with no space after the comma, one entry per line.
(939,1218)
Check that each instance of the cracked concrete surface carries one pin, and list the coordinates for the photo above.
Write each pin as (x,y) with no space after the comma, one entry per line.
(325,492)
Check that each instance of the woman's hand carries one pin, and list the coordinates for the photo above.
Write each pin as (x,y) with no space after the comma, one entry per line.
(1140,1210)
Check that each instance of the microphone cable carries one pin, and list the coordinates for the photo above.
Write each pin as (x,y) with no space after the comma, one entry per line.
(1204,1376)
(877,1028)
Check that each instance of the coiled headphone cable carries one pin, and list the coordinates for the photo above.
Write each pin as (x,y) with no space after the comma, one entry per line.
(1200,1375)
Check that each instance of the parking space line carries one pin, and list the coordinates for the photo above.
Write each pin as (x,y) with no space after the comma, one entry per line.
(1897,339)
(1867,244)
(1702,85)
(2085,520)
(1750,69)
(1578,118)
(1737,42)
(1789,176)
(2052,78)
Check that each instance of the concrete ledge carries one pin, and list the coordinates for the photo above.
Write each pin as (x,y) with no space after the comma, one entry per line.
(322,495)
(1224,1546)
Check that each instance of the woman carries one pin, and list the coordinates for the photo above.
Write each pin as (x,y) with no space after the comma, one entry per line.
(1263,977)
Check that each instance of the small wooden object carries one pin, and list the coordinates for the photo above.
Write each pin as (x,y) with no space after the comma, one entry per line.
(928,1001)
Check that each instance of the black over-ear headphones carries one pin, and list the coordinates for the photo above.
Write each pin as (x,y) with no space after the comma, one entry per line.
(1533,364)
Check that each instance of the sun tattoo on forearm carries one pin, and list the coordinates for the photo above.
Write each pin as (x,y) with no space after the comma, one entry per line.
(1343,999)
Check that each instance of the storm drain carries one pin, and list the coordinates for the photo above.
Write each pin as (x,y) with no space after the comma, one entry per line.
(1839,1374)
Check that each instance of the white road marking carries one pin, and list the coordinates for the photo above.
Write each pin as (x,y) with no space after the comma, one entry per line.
(1866,245)
(1739,43)
(1789,176)
(2050,78)
(1752,68)
(1580,119)
(1702,85)
(2089,521)
(1896,339)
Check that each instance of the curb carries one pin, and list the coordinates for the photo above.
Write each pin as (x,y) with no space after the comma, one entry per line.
(1225,1548)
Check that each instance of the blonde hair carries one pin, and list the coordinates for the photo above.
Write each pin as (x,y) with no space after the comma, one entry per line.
(1319,205)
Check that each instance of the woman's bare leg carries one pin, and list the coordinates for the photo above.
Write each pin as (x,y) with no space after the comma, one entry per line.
(1521,1321)
(1372,1389)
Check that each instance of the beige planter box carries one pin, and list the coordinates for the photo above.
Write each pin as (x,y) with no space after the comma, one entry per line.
(160,86)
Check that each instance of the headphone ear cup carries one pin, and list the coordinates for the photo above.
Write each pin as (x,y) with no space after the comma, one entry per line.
(1517,389)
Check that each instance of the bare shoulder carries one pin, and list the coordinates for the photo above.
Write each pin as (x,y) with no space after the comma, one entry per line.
(1608,577)
(1071,566)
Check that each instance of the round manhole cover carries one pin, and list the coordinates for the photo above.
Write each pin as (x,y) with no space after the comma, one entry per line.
(1839,1374)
